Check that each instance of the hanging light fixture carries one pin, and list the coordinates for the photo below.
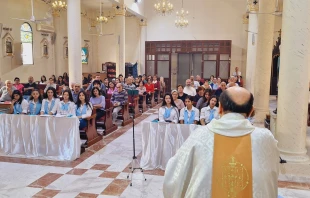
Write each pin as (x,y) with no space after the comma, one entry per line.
(58,6)
(181,20)
(163,7)
(101,18)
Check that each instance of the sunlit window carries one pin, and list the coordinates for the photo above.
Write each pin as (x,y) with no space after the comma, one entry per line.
(27,41)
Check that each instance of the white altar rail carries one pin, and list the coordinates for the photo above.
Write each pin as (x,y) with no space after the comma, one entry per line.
(40,137)
(160,142)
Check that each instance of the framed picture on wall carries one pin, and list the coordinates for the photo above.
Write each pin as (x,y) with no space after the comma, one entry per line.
(84,55)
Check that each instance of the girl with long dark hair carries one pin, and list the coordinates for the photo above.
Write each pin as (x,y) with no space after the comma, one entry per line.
(168,112)
(66,78)
(98,102)
(204,100)
(35,102)
(66,107)
(83,109)
(19,104)
(210,112)
(50,102)
(43,80)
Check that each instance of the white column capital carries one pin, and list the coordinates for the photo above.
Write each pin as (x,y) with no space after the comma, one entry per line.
(120,10)
(252,6)
(246,18)
(143,22)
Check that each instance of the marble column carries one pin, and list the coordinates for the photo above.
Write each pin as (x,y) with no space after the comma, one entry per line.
(120,12)
(143,25)
(293,95)
(252,48)
(74,40)
(262,70)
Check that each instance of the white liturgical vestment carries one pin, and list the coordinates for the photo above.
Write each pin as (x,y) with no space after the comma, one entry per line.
(189,172)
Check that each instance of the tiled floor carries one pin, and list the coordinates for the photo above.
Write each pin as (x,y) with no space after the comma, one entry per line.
(100,172)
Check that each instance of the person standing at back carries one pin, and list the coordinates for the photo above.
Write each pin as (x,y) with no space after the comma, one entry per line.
(226,158)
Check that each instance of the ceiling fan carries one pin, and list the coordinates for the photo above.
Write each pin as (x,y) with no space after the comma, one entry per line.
(32,18)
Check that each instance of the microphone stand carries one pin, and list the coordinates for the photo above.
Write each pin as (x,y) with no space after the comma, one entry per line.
(135,165)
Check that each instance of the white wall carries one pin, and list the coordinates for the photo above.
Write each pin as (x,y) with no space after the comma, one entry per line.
(107,44)
(209,20)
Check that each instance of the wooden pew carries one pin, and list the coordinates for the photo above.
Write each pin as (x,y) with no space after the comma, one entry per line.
(109,126)
(134,104)
(143,105)
(124,114)
(91,132)
(153,104)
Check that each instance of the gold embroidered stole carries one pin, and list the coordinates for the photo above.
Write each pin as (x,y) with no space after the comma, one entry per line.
(232,167)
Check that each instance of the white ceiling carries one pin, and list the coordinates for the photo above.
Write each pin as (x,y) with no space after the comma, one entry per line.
(94,4)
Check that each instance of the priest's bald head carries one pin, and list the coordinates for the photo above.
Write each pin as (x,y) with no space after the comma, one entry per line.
(236,100)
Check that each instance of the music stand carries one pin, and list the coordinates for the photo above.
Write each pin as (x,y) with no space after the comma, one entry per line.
(135,165)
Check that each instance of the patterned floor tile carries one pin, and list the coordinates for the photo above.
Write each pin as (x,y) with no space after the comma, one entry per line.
(45,180)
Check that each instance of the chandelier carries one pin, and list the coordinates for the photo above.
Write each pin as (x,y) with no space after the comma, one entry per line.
(58,6)
(181,20)
(163,7)
(101,18)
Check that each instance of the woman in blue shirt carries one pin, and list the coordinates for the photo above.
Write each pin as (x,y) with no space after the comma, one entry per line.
(35,103)
(83,109)
(19,104)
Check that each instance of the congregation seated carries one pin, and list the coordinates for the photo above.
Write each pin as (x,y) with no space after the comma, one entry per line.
(35,103)
(189,114)
(100,86)
(6,91)
(204,101)
(18,85)
(66,107)
(98,102)
(188,89)
(43,80)
(111,88)
(222,88)
(61,81)
(129,84)
(29,87)
(118,99)
(232,81)
(168,112)
(162,84)
(83,109)
(156,84)
(206,85)
(137,82)
(149,86)
(50,102)
(76,91)
(142,91)
(19,104)
(97,80)
(181,94)
(214,85)
(106,84)
(66,78)
(178,102)
(196,82)
(200,92)
(51,83)
(210,112)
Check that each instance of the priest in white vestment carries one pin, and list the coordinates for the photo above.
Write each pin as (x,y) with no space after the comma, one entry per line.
(226,158)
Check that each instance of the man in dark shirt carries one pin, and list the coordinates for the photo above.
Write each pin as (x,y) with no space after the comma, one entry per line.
(31,85)
(221,89)
(181,95)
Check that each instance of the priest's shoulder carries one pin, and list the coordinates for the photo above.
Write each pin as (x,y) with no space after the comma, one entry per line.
(262,133)
(201,133)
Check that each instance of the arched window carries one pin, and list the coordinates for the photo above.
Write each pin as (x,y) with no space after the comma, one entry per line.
(27,41)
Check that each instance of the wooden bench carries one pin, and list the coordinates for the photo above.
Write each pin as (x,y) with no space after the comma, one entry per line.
(153,104)
(91,132)
(106,121)
(124,114)
(143,105)
(134,104)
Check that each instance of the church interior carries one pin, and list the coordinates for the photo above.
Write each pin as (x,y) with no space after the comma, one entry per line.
(67,46)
